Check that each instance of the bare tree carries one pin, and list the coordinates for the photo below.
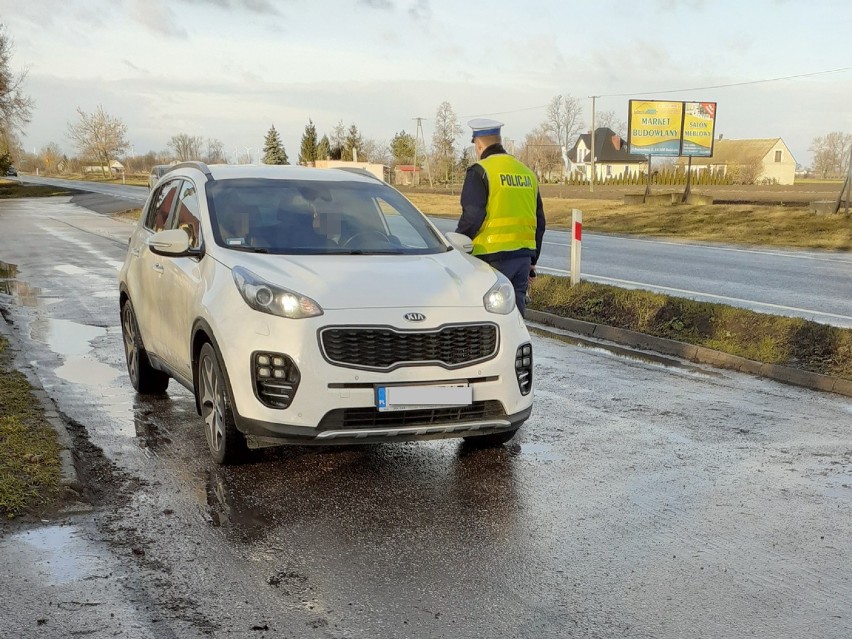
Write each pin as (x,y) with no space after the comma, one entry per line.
(540,152)
(447,129)
(215,151)
(186,147)
(375,151)
(610,120)
(15,105)
(563,120)
(50,156)
(831,154)
(99,136)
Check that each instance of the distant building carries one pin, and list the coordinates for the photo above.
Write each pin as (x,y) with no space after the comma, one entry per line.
(379,170)
(115,167)
(406,175)
(611,156)
(749,161)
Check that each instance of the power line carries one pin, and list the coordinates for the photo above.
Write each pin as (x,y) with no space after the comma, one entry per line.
(732,84)
(717,86)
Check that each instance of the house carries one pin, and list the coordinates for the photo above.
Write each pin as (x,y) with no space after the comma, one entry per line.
(115,167)
(611,157)
(749,161)
(406,175)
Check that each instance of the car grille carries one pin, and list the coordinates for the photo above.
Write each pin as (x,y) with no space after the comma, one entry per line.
(386,348)
(357,418)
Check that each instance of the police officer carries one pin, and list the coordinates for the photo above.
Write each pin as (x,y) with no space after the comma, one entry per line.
(501,209)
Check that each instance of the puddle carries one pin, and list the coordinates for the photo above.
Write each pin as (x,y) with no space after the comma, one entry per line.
(636,355)
(541,452)
(24,294)
(73,342)
(59,552)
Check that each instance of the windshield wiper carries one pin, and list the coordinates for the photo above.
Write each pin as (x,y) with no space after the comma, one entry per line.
(248,249)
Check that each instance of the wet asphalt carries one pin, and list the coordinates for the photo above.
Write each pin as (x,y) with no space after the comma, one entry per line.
(644,498)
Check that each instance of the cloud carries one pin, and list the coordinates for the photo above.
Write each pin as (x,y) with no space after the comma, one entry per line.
(420,10)
(260,7)
(384,5)
(158,18)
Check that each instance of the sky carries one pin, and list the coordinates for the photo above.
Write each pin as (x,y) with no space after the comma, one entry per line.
(229,69)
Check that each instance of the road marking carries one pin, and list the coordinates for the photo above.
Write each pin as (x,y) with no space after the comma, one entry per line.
(798,256)
(656,287)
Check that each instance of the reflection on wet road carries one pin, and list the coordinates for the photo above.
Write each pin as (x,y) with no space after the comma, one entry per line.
(641,500)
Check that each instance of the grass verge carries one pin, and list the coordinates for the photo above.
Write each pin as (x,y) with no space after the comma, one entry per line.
(130,215)
(793,342)
(29,452)
(745,224)
(10,189)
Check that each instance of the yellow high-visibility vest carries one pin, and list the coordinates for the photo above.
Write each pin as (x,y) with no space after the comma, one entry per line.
(510,220)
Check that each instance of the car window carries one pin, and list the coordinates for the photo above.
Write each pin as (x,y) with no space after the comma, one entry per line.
(161,205)
(317,217)
(186,215)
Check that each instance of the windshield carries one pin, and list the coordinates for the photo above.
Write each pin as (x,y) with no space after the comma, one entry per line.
(317,217)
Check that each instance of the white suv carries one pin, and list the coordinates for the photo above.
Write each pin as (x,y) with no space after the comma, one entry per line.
(318,306)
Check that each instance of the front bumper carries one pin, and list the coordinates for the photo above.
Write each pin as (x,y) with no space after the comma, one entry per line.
(337,405)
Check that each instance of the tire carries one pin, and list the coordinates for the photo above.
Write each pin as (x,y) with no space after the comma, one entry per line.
(227,444)
(145,378)
(491,441)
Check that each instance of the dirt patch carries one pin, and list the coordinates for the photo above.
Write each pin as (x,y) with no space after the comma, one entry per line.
(10,189)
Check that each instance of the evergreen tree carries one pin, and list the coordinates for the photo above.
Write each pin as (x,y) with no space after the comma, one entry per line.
(402,148)
(353,146)
(308,152)
(273,150)
(324,149)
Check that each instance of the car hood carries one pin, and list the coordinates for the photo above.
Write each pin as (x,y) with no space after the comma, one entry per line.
(374,281)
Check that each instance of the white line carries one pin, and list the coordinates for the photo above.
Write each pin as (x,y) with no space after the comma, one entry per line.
(799,256)
(655,287)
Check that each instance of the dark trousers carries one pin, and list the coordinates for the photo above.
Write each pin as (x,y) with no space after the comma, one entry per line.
(517,269)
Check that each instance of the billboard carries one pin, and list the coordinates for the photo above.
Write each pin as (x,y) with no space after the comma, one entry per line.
(699,128)
(671,128)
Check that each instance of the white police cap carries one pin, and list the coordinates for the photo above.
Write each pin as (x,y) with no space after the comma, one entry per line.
(484,126)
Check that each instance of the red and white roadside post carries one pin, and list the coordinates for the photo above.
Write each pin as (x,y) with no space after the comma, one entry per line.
(576,241)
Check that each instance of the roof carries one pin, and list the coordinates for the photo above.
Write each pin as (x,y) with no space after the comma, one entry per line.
(280,171)
(610,147)
(736,151)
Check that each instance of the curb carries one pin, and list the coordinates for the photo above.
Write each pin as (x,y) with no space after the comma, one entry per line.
(68,477)
(693,353)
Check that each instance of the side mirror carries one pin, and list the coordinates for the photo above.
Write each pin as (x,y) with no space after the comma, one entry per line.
(459,241)
(171,243)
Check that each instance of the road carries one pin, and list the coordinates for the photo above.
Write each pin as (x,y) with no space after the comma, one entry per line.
(645,498)
(816,285)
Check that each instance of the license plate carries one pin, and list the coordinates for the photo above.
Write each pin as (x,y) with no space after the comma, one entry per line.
(413,397)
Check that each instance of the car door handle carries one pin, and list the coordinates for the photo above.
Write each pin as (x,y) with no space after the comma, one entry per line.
(158,267)
(134,252)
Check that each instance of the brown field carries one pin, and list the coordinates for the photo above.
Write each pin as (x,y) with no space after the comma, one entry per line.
(751,224)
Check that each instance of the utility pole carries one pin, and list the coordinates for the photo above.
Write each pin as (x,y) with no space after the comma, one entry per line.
(846,189)
(592,177)
(418,135)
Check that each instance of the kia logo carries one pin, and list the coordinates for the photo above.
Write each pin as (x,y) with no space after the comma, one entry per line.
(414,317)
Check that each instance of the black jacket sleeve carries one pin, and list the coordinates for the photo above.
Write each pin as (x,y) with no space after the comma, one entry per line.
(474,197)
(540,224)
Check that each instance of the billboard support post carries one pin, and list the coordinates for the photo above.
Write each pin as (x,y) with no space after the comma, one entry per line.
(647,182)
(688,190)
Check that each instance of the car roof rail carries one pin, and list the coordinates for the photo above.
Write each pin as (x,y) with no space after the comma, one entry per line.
(359,171)
(193,164)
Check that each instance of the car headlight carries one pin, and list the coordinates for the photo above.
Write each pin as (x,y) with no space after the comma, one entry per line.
(500,298)
(275,300)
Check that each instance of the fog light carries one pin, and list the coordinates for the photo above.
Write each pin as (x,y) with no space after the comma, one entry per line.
(276,379)
(523,368)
